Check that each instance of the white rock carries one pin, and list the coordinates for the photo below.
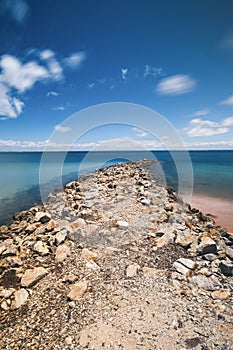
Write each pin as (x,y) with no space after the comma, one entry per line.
(42,217)
(182,269)
(132,270)
(21,296)
(60,237)
(188,263)
(122,224)
(62,252)
(41,248)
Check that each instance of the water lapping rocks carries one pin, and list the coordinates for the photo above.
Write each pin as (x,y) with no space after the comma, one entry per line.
(116,261)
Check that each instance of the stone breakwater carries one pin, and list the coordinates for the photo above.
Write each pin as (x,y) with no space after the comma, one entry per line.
(116,261)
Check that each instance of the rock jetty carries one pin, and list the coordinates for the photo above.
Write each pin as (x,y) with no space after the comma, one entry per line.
(116,261)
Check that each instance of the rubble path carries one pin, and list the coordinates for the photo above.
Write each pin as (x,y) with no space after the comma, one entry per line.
(116,261)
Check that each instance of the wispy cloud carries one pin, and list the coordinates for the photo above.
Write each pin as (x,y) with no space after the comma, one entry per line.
(52,93)
(198,127)
(176,85)
(227,101)
(75,60)
(91,85)
(227,42)
(17,77)
(59,108)
(140,132)
(16,9)
(124,72)
(201,112)
(152,71)
(62,129)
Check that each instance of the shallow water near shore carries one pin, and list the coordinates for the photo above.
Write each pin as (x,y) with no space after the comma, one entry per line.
(213,177)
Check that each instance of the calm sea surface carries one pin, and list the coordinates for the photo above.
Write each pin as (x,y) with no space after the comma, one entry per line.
(21,173)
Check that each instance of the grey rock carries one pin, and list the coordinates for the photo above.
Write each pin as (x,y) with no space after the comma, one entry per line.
(229,252)
(226,268)
(203,282)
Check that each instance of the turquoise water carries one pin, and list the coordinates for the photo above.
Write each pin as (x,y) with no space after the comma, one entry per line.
(20,173)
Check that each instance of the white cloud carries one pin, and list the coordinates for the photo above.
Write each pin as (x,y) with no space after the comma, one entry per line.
(20,76)
(47,54)
(198,127)
(61,128)
(176,85)
(124,72)
(227,101)
(52,93)
(75,60)
(228,121)
(201,112)
(17,77)
(140,132)
(59,108)
(17,9)
(9,107)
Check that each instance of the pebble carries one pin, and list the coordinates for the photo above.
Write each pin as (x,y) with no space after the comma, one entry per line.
(77,290)
(62,252)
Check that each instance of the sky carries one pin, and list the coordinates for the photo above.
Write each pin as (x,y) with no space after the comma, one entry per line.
(58,57)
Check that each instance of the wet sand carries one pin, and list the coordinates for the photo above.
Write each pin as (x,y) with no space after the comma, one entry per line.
(222,209)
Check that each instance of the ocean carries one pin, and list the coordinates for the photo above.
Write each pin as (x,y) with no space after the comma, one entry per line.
(24,174)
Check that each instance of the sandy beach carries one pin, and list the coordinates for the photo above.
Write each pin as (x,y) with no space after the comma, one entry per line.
(222,209)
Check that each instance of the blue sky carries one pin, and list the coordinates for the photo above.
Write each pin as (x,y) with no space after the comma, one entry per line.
(58,57)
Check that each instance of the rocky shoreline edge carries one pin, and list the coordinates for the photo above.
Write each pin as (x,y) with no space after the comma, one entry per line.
(116,261)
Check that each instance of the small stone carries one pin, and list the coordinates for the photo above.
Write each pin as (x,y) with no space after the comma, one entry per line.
(62,252)
(69,340)
(132,270)
(77,290)
(190,264)
(32,276)
(88,254)
(42,217)
(41,248)
(21,296)
(60,237)
(229,252)
(122,224)
(92,265)
(226,268)
(182,269)
(167,238)
(221,294)
(207,245)
(7,293)
(145,202)
(184,238)
(4,305)
(203,282)
(51,225)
